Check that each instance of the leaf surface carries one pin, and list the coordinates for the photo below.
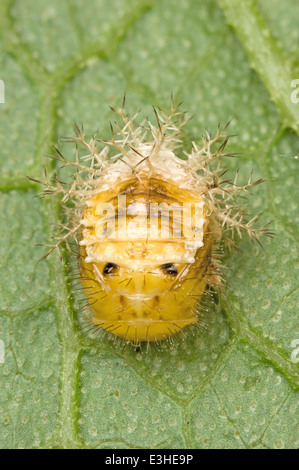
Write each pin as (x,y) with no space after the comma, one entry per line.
(233,386)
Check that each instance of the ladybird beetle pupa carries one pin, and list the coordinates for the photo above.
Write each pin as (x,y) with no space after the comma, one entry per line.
(149,223)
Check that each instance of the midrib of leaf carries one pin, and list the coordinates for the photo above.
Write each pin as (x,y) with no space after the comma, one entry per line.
(265,56)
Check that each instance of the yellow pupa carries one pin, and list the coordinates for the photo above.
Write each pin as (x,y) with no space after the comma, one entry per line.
(140,279)
(149,224)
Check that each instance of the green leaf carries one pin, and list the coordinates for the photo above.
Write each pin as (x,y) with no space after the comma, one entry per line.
(234,385)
